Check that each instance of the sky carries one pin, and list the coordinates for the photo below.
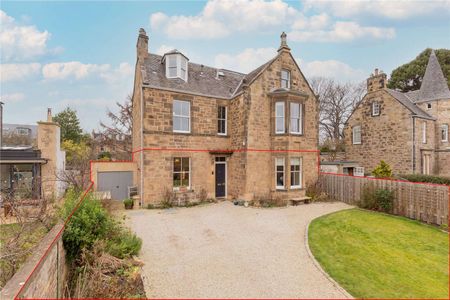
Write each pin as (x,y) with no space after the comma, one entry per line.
(82,54)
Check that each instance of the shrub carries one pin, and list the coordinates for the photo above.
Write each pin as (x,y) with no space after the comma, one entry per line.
(383,170)
(368,200)
(384,199)
(376,199)
(124,244)
(91,223)
(128,203)
(168,198)
(202,196)
(426,178)
(314,191)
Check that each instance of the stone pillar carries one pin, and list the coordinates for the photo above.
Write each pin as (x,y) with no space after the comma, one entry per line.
(48,141)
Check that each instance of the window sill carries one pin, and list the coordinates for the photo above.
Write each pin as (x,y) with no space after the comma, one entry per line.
(181,132)
(296,188)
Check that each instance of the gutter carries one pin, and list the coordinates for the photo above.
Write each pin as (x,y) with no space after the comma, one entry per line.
(413,144)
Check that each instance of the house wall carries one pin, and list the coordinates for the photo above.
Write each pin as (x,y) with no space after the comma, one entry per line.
(427,148)
(385,137)
(158,133)
(261,130)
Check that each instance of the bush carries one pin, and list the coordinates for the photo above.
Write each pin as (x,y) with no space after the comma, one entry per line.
(383,170)
(384,199)
(314,191)
(169,198)
(124,244)
(128,203)
(376,199)
(91,223)
(426,178)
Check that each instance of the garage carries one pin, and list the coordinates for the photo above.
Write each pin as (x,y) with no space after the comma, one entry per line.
(117,182)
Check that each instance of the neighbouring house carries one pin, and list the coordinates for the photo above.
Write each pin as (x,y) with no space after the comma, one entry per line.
(18,135)
(410,131)
(115,147)
(31,172)
(200,129)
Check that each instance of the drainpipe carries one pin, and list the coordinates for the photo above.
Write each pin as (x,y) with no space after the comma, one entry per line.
(413,144)
(1,124)
(142,146)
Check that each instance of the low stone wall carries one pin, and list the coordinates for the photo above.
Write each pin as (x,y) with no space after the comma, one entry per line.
(44,273)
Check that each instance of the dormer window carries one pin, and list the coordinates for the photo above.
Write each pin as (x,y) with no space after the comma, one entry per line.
(176,65)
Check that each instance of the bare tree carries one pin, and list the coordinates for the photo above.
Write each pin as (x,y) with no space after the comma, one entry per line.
(117,136)
(336,103)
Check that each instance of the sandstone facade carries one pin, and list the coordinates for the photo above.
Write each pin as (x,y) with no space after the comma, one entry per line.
(250,146)
(407,132)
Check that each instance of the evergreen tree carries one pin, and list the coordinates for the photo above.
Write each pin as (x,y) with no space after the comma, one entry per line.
(408,77)
(70,125)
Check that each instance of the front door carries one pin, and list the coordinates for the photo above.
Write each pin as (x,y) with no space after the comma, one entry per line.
(221,174)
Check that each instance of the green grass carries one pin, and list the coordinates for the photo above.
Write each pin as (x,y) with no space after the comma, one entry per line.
(374,255)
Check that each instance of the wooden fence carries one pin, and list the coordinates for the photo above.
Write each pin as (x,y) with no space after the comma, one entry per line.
(419,201)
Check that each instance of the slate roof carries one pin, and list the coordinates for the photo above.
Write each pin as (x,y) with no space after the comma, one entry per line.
(403,99)
(434,85)
(202,80)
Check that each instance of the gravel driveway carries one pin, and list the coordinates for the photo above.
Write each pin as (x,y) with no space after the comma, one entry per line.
(226,251)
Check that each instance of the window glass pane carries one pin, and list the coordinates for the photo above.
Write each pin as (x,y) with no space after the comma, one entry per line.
(183,73)
(176,179)
(172,61)
(177,123)
(295,125)
(184,124)
(279,109)
(177,164)
(295,110)
(280,124)
(295,161)
(185,180)
(172,72)
(185,164)
(185,108)
(176,107)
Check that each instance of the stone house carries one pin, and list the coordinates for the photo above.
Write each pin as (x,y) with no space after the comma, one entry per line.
(199,129)
(410,131)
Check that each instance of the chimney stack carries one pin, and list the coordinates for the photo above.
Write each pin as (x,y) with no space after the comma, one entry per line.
(142,45)
(376,81)
(283,43)
(49,115)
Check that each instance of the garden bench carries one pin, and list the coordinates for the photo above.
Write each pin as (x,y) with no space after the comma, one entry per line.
(296,201)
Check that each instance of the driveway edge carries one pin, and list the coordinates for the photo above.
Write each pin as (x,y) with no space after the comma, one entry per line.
(319,267)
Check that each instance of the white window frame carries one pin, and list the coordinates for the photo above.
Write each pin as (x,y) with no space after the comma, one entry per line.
(424,132)
(285,80)
(181,63)
(222,119)
(181,172)
(354,131)
(181,116)
(375,108)
(283,117)
(279,187)
(444,133)
(300,171)
(298,118)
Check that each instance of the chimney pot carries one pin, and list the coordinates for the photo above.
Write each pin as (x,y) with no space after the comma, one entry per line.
(49,115)
(376,71)
(142,45)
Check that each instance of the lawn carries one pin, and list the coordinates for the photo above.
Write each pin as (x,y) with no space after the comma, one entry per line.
(374,255)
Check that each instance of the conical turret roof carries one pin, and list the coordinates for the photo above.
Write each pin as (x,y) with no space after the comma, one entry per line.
(434,85)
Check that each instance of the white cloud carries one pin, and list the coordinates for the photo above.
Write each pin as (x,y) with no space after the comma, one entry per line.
(342,32)
(164,49)
(21,42)
(312,23)
(331,68)
(78,70)
(10,72)
(13,98)
(246,60)
(221,18)
(398,9)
